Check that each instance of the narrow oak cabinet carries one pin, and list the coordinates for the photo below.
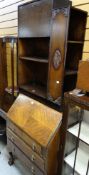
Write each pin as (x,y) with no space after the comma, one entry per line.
(51,37)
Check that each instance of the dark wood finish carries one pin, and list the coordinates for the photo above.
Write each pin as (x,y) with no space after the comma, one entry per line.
(3,80)
(50,44)
(3,117)
(58,36)
(34,89)
(37,27)
(33,131)
(83,76)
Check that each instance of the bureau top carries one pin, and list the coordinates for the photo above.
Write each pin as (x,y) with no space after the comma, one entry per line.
(35,119)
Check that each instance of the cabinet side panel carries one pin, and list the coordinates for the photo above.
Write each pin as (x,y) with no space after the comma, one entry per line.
(52,158)
(3,79)
(57,52)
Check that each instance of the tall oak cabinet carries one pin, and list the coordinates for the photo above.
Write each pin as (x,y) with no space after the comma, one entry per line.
(51,37)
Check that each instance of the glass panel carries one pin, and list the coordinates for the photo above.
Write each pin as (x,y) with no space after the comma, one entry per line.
(76,155)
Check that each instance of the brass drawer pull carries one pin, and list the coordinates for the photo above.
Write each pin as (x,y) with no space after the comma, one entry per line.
(33,158)
(12,139)
(33,170)
(34,147)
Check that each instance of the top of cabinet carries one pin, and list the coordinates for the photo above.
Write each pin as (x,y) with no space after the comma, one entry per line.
(35,17)
(37,120)
(82,101)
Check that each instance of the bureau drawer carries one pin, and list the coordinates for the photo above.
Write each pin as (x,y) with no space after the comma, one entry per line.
(35,147)
(33,170)
(36,159)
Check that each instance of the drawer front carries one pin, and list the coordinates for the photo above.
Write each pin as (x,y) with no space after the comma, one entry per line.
(35,147)
(33,170)
(36,159)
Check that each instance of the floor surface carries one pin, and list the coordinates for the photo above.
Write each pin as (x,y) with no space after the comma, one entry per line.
(5,169)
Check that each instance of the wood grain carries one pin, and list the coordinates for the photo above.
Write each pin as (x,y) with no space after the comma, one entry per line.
(34,118)
(83,76)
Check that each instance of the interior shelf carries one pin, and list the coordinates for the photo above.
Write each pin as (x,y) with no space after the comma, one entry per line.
(84,134)
(35,89)
(81,162)
(35,59)
(71,72)
(75,42)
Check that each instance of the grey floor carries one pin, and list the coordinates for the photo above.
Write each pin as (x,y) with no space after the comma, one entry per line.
(5,169)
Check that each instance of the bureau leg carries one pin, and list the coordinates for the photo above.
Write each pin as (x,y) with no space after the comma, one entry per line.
(11,159)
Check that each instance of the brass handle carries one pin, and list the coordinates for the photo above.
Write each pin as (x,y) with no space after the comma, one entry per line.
(14,129)
(34,147)
(33,170)
(12,139)
(33,158)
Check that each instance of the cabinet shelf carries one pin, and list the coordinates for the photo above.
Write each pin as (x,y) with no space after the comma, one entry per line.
(84,134)
(35,59)
(81,162)
(71,72)
(75,42)
(35,89)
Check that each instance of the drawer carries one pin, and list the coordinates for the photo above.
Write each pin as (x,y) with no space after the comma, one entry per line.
(35,147)
(36,159)
(33,170)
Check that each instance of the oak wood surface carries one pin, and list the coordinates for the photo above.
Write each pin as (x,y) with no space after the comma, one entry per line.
(83,76)
(35,119)
(18,153)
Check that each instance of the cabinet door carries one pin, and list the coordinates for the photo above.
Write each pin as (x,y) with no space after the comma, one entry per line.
(58,46)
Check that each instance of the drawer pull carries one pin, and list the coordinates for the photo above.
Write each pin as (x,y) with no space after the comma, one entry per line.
(33,170)
(34,147)
(12,139)
(33,158)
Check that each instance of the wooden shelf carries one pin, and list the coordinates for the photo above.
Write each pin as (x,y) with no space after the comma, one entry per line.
(84,134)
(35,89)
(35,59)
(71,72)
(75,42)
(81,162)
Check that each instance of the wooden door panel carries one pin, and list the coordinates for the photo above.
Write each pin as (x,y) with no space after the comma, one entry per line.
(57,52)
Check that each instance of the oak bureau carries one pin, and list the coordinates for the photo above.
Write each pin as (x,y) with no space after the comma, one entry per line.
(33,135)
